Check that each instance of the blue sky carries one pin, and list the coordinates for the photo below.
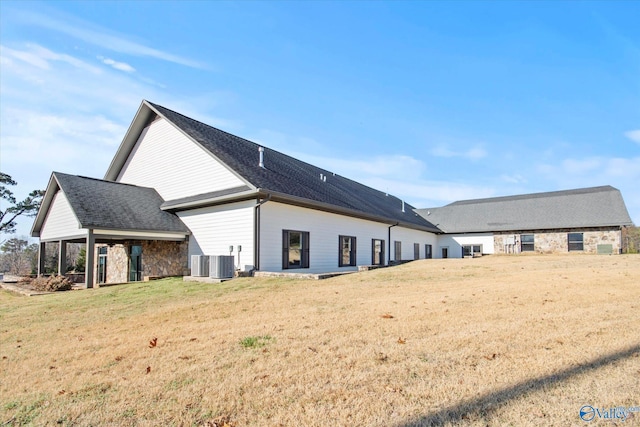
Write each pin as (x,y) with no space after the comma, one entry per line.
(430,101)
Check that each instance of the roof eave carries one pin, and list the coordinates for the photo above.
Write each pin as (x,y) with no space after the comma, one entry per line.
(210,201)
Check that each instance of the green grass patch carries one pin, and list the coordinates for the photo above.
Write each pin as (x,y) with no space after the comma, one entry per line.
(256,342)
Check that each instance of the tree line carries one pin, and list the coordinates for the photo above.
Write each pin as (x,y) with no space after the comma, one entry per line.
(19,257)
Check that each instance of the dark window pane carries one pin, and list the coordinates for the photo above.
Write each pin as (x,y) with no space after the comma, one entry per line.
(527,243)
(378,252)
(576,242)
(347,251)
(295,248)
(135,263)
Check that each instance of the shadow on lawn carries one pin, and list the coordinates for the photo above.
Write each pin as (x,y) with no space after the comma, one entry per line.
(486,404)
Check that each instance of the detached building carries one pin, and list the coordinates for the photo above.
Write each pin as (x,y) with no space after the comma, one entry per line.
(585,220)
(177,187)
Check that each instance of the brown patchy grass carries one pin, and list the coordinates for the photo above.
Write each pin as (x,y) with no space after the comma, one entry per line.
(491,341)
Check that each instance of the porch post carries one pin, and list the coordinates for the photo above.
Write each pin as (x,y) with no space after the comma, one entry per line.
(62,257)
(89,260)
(42,254)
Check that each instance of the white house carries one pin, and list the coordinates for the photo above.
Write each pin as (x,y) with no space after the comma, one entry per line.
(177,187)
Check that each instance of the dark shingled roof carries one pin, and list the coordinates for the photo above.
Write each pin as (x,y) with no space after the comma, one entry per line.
(293,177)
(116,206)
(581,208)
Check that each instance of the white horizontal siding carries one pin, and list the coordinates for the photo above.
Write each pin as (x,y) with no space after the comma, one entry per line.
(324,230)
(454,243)
(165,159)
(408,237)
(216,228)
(60,222)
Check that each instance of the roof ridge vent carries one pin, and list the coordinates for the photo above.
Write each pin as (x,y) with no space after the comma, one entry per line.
(261,162)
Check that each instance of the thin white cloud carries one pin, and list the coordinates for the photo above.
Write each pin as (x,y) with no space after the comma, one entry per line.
(396,165)
(122,66)
(400,175)
(61,114)
(581,166)
(352,167)
(592,170)
(429,193)
(9,55)
(473,153)
(98,36)
(622,173)
(41,57)
(633,135)
(514,179)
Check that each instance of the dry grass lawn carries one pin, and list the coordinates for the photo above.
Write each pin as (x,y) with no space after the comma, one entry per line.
(491,341)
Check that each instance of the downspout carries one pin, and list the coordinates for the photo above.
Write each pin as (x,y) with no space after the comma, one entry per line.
(256,232)
(389,243)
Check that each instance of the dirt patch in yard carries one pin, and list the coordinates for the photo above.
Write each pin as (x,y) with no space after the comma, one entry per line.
(526,340)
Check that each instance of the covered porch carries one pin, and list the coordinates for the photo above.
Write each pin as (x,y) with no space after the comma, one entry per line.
(117,258)
(126,235)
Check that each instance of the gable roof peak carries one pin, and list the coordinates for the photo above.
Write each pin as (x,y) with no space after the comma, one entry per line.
(282,174)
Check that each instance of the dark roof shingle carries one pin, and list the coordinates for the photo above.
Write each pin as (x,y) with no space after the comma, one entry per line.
(117,206)
(293,177)
(580,208)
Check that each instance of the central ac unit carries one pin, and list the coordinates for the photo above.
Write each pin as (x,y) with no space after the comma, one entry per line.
(200,265)
(221,266)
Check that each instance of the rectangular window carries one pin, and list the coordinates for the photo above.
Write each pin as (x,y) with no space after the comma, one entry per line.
(347,251)
(135,263)
(416,251)
(397,256)
(377,252)
(471,250)
(295,249)
(576,241)
(102,264)
(527,242)
(428,251)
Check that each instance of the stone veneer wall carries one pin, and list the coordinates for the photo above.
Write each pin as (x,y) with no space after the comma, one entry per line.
(160,258)
(556,241)
(164,258)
